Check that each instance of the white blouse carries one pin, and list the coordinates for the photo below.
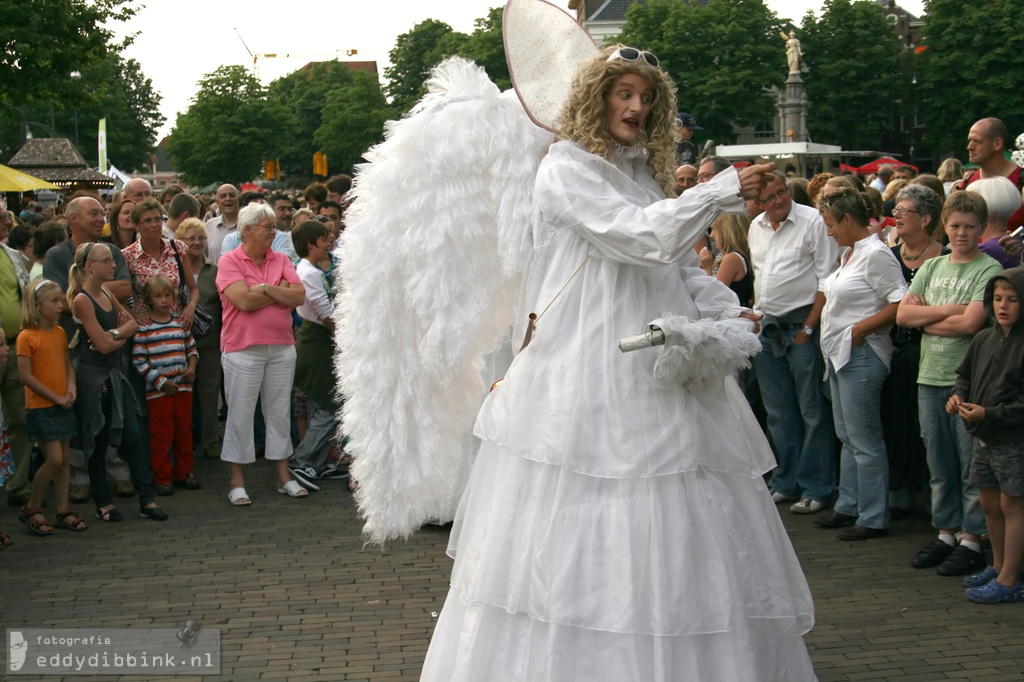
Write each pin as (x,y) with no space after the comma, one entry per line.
(870,280)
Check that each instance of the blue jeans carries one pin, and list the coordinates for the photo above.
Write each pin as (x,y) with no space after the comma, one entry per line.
(799,419)
(134,450)
(313,450)
(863,462)
(948,446)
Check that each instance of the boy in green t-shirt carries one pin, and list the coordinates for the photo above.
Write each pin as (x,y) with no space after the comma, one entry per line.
(945,300)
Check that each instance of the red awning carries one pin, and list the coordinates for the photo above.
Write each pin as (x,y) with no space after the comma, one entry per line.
(882,161)
(250,187)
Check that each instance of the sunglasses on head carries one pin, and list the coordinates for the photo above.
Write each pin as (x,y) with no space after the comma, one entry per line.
(631,54)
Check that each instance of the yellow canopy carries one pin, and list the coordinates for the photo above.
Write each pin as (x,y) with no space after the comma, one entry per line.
(15,181)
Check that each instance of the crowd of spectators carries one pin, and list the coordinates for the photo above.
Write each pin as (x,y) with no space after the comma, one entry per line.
(150,312)
(872,289)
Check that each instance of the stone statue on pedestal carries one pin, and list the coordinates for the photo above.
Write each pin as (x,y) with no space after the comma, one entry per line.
(793,52)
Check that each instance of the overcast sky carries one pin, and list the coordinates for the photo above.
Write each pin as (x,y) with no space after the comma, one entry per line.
(180,41)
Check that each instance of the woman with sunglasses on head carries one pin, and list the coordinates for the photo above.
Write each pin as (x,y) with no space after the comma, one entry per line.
(614,526)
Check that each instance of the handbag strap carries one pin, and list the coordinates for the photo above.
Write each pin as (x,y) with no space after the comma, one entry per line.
(182,284)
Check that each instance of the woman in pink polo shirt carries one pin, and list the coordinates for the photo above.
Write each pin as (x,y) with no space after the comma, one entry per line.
(258,290)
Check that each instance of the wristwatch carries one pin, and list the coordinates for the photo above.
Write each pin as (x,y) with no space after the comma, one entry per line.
(263,288)
(808,330)
(116,334)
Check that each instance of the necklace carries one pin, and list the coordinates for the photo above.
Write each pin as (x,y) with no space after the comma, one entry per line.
(907,256)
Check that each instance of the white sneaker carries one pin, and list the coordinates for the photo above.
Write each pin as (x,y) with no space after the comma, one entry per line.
(306,477)
(779,498)
(806,506)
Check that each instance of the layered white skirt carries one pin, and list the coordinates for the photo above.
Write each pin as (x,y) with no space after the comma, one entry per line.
(564,573)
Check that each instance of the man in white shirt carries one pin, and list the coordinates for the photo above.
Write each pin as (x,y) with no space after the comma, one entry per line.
(883,178)
(220,226)
(792,254)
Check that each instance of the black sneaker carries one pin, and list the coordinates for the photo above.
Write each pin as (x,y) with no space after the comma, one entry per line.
(932,554)
(332,472)
(306,476)
(962,561)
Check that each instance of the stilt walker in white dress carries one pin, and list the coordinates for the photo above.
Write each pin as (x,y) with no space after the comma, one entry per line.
(615,525)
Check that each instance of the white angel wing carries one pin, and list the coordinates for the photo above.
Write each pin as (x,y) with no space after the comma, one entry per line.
(436,240)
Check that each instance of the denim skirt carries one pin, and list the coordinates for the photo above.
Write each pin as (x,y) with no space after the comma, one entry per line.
(51,423)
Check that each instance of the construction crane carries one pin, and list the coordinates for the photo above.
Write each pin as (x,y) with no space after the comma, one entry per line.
(273,55)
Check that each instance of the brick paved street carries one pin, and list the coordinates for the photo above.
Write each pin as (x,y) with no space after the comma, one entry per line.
(298,598)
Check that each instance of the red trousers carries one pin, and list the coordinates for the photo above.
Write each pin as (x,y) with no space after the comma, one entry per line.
(170,422)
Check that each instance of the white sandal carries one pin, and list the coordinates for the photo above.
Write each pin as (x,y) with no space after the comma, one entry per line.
(293,489)
(239,498)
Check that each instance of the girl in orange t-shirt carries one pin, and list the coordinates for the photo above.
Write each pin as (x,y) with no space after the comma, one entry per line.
(49,378)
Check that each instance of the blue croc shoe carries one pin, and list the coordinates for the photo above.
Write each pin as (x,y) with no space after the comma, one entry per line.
(994,592)
(981,579)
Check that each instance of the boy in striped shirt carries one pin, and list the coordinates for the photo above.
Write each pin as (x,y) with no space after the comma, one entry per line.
(165,355)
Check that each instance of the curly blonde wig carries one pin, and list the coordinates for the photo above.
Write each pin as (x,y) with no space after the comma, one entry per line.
(583,118)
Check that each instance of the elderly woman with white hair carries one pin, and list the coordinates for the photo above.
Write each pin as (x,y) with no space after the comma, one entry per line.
(1003,200)
(258,291)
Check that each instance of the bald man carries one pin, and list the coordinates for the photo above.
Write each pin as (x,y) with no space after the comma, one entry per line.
(138,189)
(86,219)
(223,224)
(686,178)
(987,142)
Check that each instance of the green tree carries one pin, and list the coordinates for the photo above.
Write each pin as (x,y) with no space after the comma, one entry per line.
(113,88)
(856,80)
(123,95)
(723,57)
(43,42)
(486,47)
(229,129)
(415,53)
(353,121)
(971,69)
(304,93)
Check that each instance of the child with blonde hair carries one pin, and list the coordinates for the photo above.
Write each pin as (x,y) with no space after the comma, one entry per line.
(109,418)
(165,355)
(44,364)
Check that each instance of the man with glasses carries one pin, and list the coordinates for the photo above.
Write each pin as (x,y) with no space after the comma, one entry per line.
(710,166)
(792,254)
(138,189)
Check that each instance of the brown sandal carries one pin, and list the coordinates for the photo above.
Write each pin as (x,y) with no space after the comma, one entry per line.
(76,524)
(36,521)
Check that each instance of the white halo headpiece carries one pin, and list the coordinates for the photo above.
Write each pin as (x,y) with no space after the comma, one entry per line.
(543,47)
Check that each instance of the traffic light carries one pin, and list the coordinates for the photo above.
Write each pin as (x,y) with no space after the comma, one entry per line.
(320,164)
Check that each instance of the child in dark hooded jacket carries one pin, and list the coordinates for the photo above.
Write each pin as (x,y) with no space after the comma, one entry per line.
(989,397)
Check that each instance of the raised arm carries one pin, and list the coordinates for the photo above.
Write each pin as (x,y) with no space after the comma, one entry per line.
(579,191)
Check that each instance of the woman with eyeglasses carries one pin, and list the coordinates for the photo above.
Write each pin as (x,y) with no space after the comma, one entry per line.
(192,231)
(918,213)
(616,527)
(153,255)
(108,411)
(258,291)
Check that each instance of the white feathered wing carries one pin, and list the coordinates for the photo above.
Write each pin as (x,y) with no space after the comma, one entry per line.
(435,243)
